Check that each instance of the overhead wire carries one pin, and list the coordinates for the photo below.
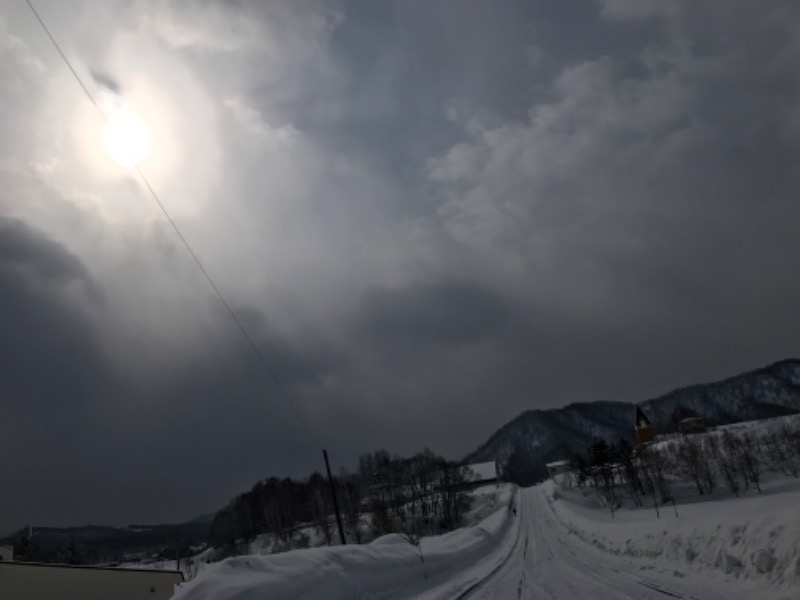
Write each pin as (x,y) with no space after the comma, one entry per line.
(259,354)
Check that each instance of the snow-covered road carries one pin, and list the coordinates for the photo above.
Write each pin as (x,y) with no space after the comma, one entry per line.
(530,545)
(547,562)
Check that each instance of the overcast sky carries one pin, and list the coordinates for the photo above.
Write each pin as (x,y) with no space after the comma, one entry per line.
(430,217)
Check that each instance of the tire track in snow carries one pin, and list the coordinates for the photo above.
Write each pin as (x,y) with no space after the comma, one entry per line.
(552,565)
(505,561)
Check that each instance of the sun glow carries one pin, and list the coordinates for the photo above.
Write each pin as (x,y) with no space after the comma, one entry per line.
(156,118)
(126,138)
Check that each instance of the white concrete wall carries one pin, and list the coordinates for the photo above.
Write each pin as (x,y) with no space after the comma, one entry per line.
(26,581)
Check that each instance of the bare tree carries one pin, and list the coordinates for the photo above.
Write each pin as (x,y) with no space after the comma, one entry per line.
(454,500)
(707,471)
(320,506)
(351,493)
(723,455)
(790,442)
(792,438)
(780,454)
(750,459)
(631,470)
(690,460)
(653,466)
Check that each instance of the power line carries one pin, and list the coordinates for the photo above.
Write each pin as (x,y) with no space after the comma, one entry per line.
(183,239)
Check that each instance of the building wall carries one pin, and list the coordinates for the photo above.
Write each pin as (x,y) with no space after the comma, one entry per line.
(486,471)
(27,581)
(6,552)
(644,434)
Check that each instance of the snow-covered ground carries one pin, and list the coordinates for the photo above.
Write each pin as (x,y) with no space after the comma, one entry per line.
(389,567)
(555,542)
(539,544)
(550,563)
(754,538)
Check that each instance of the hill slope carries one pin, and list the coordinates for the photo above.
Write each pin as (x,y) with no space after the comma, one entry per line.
(92,544)
(537,436)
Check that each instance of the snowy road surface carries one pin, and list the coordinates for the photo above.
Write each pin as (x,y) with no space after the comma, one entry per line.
(547,562)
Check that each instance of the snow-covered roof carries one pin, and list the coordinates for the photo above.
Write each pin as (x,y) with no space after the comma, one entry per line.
(483,471)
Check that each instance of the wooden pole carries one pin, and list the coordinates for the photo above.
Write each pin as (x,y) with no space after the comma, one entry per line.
(335,501)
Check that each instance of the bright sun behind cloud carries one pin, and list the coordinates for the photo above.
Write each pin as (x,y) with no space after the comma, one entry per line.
(126,137)
(155,117)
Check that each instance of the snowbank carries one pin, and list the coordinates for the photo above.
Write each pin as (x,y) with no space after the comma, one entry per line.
(755,537)
(389,567)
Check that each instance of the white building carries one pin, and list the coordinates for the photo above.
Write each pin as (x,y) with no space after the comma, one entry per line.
(38,581)
(482,474)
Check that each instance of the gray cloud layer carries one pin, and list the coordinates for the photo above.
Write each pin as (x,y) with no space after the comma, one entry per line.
(430,217)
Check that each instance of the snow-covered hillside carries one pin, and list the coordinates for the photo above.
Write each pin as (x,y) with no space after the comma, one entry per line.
(539,436)
(768,392)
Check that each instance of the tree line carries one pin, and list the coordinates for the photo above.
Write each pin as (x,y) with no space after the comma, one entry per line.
(711,461)
(421,495)
(71,552)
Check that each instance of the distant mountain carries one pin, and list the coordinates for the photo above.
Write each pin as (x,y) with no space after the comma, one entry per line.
(107,544)
(538,436)
(202,520)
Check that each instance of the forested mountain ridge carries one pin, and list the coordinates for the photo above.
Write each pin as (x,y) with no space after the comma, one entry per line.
(536,436)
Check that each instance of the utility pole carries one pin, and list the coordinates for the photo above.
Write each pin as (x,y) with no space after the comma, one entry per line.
(177,554)
(333,495)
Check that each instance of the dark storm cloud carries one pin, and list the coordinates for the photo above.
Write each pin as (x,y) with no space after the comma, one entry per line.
(49,359)
(304,365)
(400,66)
(24,249)
(112,444)
(51,368)
(107,81)
(439,314)
(429,217)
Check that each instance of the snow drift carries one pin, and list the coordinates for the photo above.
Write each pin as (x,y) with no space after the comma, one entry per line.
(389,567)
